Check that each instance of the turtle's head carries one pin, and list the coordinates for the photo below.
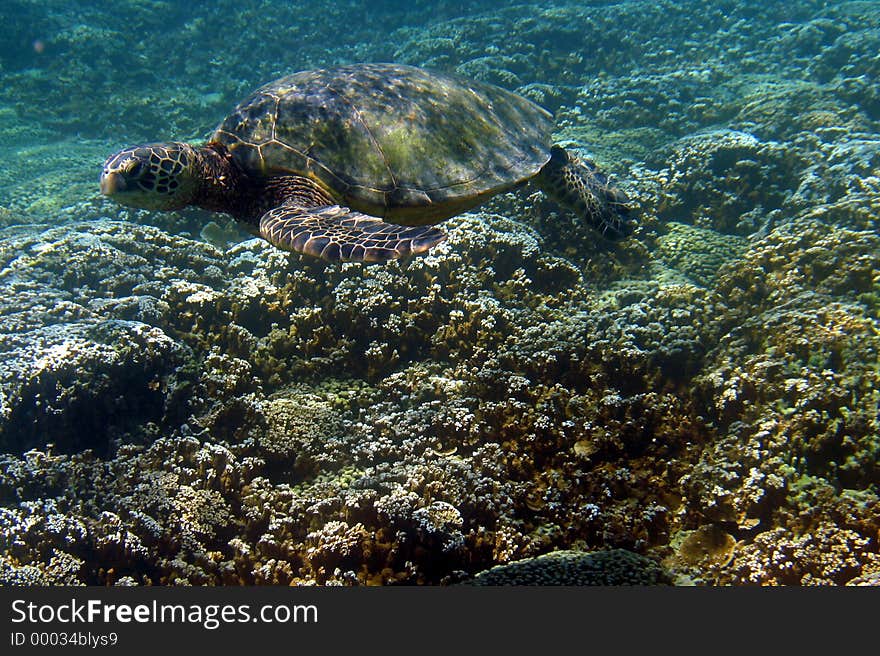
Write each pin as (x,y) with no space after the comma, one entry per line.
(159,176)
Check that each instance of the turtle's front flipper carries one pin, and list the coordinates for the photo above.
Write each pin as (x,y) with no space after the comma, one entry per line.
(579,186)
(339,234)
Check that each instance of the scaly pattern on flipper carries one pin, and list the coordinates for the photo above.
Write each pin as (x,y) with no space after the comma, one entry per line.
(338,234)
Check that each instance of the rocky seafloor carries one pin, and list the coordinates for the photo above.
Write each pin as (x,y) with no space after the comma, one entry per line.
(526,404)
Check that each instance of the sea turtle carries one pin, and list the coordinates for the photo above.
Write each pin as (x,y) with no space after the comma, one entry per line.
(357,163)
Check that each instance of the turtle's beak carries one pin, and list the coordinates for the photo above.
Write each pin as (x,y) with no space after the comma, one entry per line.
(112,183)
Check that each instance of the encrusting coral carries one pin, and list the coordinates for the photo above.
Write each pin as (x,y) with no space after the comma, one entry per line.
(703,395)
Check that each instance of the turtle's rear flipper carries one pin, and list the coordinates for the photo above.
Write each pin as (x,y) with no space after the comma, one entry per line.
(579,186)
(339,234)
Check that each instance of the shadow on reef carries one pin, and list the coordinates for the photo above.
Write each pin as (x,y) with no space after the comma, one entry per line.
(88,386)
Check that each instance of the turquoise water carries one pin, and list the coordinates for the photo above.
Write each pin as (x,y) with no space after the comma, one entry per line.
(181,402)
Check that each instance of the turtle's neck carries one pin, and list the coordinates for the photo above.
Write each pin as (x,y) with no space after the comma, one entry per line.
(227,187)
(224,185)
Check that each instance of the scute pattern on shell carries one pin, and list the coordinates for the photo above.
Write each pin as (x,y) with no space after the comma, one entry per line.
(390,139)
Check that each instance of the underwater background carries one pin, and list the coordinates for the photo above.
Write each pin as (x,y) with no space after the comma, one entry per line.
(181,403)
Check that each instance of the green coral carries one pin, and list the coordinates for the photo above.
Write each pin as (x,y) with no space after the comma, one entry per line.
(299,425)
(697,253)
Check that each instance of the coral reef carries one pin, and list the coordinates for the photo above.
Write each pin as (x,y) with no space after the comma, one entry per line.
(612,567)
(180,404)
(696,253)
(475,398)
(83,383)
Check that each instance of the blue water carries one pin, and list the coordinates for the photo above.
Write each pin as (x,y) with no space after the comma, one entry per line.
(182,402)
